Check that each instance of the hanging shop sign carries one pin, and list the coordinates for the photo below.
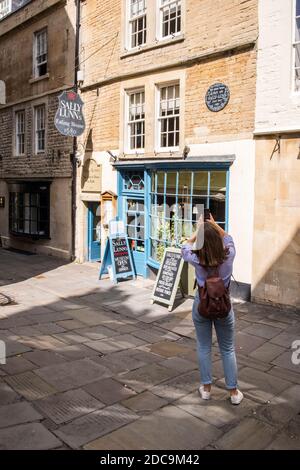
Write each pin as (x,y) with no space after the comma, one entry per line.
(69,119)
(217,97)
(117,260)
(168,278)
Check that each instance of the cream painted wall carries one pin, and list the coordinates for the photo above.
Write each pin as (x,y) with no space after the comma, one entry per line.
(241,199)
(277,105)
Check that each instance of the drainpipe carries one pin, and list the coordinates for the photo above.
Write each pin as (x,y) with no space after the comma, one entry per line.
(74,159)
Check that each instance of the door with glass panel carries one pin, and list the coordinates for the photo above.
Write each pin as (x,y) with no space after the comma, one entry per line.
(94,231)
(135,227)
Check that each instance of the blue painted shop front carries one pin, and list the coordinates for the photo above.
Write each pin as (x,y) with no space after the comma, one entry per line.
(159,204)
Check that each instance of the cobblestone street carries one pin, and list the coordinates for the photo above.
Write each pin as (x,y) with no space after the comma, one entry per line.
(93,365)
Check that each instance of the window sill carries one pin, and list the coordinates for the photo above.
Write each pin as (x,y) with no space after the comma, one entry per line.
(158,44)
(29,236)
(38,79)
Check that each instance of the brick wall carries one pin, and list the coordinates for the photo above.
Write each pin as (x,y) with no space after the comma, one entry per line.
(209,26)
(55,162)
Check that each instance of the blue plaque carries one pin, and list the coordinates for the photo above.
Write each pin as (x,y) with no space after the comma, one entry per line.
(217,97)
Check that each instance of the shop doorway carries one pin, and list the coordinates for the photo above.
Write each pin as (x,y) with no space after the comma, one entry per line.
(94,231)
(135,226)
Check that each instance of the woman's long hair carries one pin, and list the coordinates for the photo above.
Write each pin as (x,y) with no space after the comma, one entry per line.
(212,253)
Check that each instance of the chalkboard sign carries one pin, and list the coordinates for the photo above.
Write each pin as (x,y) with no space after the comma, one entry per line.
(168,277)
(217,97)
(117,259)
(121,255)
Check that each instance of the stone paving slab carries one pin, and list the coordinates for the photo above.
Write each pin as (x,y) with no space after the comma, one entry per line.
(44,358)
(96,333)
(260,385)
(73,374)
(18,413)
(7,394)
(109,391)
(87,428)
(179,364)
(246,343)
(285,361)
(267,352)
(283,407)
(250,434)
(168,428)
(285,374)
(120,362)
(14,348)
(145,377)
(32,436)
(117,343)
(218,411)
(144,402)
(64,407)
(17,365)
(262,330)
(177,387)
(77,351)
(284,339)
(168,348)
(30,385)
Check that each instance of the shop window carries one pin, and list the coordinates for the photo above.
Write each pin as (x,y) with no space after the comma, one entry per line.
(177,199)
(296,46)
(29,210)
(170,14)
(137,23)
(134,181)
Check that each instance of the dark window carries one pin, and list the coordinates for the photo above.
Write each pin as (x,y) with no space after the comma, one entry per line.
(29,209)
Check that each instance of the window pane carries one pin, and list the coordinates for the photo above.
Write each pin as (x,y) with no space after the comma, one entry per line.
(171,182)
(218,182)
(297,7)
(200,182)
(185,181)
(217,208)
(297,30)
(160,182)
(199,203)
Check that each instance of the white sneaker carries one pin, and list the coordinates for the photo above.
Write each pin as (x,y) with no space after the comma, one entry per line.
(237,398)
(203,393)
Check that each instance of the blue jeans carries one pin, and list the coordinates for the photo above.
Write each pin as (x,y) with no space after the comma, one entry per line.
(225,334)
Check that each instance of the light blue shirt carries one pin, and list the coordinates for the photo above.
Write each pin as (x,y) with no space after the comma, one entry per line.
(225,269)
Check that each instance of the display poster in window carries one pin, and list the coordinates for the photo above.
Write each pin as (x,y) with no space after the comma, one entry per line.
(69,118)
(168,277)
(217,97)
(117,260)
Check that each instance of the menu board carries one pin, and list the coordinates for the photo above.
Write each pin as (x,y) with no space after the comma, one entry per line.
(121,255)
(168,277)
(117,260)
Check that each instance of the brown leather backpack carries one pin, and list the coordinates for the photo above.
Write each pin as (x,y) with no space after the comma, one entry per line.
(214,297)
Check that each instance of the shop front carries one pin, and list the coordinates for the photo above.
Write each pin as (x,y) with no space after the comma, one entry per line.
(160,204)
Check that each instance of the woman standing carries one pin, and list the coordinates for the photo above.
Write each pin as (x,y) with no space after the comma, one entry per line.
(218,251)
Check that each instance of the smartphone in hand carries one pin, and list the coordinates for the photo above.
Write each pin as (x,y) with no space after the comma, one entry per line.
(206,214)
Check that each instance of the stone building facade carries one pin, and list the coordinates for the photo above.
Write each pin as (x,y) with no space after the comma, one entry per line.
(148,66)
(35,166)
(276,259)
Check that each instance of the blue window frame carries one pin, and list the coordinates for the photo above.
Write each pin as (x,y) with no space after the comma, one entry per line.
(176,200)
(170,197)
